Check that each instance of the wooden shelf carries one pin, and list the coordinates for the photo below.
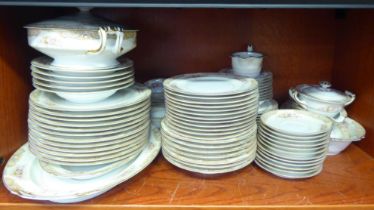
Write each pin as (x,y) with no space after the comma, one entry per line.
(347,182)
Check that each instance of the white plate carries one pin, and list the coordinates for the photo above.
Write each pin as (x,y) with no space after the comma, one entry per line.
(207,139)
(126,113)
(220,103)
(80,82)
(205,170)
(56,87)
(89,115)
(91,148)
(246,95)
(34,183)
(45,63)
(123,98)
(296,122)
(82,76)
(90,124)
(209,84)
(85,128)
(214,119)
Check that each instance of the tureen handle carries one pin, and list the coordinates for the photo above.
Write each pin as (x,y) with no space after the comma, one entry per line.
(293,94)
(103,39)
(351,96)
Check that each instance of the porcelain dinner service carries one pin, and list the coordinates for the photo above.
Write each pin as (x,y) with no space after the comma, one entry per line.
(204,130)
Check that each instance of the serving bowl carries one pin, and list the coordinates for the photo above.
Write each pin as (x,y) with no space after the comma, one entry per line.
(81,40)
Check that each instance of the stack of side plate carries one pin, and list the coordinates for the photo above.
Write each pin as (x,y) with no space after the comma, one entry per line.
(210,123)
(81,85)
(265,83)
(82,141)
(293,143)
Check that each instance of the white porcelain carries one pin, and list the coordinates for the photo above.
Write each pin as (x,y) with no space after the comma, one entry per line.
(348,130)
(81,40)
(321,98)
(123,98)
(343,134)
(249,63)
(297,122)
(211,84)
(157,88)
(24,177)
(292,143)
(336,147)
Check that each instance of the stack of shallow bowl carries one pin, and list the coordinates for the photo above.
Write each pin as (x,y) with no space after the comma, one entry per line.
(81,85)
(210,122)
(87,119)
(293,143)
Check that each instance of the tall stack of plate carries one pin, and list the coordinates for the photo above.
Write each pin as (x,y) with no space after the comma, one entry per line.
(265,90)
(68,137)
(293,143)
(210,122)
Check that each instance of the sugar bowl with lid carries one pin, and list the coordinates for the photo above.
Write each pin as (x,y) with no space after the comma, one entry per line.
(321,98)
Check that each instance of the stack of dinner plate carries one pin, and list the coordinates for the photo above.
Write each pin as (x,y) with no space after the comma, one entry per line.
(82,142)
(210,122)
(84,84)
(293,143)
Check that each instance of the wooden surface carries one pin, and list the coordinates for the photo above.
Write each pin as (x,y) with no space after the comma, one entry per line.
(347,180)
(354,68)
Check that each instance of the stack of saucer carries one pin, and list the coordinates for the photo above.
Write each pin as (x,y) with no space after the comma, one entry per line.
(210,122)
(293,143)
(158,101)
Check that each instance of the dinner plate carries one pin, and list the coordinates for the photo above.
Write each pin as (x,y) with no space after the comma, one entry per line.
(34,183)
(46,63)
(90,114)
(77,82)
(211,84)
(64,117)
(91,148)
(248,94)
(75,128)
(81,76)
(90,124)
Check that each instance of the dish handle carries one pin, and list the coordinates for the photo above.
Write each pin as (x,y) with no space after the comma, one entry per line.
(293,94)
(351,97)
(103,40)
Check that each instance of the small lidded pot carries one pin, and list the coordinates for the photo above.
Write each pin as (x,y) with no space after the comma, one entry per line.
(81,40)
(321,98)
(247,63)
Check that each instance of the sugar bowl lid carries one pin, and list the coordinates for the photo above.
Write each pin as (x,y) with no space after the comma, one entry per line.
(80,21)
(324,92)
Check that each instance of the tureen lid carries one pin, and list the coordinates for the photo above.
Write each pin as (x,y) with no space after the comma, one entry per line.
(324,92)
(80,21)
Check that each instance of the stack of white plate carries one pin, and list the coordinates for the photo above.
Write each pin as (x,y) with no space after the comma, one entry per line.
(81,85)
(293,143)
(81,142)
(210,123)
(265,83)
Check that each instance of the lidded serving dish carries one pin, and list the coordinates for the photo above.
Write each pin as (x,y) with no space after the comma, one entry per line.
(81,40)
(321,98)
